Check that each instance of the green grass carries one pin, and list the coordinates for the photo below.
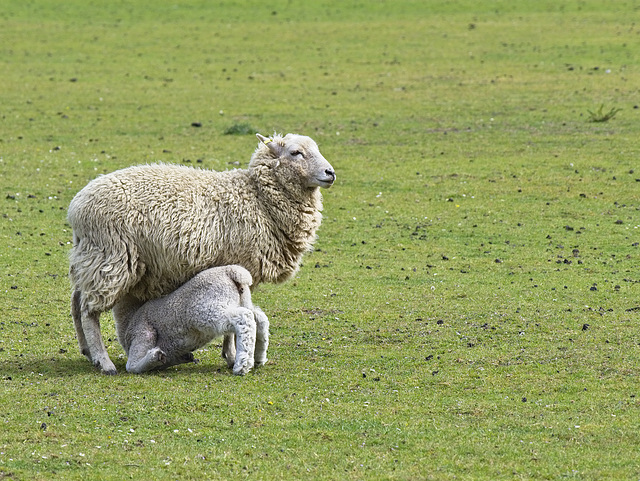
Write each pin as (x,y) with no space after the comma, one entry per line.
(471,310)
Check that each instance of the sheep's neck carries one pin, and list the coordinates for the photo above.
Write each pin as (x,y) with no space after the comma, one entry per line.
(296,216)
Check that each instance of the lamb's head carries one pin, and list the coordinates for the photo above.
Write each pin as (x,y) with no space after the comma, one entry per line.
(294,159)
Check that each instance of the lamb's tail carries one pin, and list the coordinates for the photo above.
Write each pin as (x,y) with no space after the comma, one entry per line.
(243,280)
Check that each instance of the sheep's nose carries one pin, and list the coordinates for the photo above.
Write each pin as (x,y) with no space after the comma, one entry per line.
(331,174)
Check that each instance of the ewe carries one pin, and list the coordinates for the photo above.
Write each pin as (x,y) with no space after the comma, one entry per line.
(145,230)
(164,332)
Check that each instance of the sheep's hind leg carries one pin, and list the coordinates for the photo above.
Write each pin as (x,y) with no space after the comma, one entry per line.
(90,325)
(229,349)
(102,271)
(76,314)
(262,336)
(245,327)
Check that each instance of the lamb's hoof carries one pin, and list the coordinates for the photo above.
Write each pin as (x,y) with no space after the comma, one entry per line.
(159,356)
(260,363)
(188,358)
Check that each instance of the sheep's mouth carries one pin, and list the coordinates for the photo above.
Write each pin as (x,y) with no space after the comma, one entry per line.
(328,179)
(326,182)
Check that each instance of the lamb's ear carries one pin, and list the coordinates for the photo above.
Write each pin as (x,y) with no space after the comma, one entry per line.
(274,147)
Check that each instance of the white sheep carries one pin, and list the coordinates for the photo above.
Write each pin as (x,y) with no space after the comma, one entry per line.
(146,230)
(164,332)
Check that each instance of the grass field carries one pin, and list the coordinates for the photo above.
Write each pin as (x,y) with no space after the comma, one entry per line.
(471,310)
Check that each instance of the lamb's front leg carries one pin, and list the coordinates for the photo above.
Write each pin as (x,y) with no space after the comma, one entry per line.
(173,359)
(143,353)
(262,336)
(154,358)
(244,325)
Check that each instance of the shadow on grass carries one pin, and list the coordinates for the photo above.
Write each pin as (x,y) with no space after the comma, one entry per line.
(62,367)
(45,366)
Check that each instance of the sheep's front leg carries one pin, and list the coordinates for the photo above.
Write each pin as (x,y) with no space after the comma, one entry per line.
(245,328)
(143,353)
(262,336)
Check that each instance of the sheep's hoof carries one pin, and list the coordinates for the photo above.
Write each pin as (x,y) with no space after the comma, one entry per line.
(109,371)
(106,368)
(261,362)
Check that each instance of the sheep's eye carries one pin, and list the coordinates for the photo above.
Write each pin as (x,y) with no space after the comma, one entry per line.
(295,153)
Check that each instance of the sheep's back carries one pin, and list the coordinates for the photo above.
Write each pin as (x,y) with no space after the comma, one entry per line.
(176,220)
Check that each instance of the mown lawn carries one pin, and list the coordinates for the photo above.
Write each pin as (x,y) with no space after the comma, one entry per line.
(471,309)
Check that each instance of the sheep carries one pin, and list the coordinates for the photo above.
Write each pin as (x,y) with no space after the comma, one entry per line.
(164,332)
(145,230)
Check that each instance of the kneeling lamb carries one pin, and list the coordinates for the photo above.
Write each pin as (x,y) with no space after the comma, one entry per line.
(164,332)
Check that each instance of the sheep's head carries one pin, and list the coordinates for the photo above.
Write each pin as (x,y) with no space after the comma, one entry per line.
(295,159)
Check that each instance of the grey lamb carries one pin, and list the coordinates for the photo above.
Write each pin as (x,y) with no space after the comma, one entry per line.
(164,332)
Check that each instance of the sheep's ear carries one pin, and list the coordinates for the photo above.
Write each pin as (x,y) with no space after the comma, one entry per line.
(263,139)
(274,147)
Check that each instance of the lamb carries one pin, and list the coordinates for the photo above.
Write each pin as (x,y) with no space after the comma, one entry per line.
(145,230)
(164,332)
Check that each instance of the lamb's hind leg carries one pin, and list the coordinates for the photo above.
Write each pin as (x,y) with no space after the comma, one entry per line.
(262,336)
(244,326)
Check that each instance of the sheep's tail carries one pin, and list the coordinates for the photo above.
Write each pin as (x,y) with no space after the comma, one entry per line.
(243,280)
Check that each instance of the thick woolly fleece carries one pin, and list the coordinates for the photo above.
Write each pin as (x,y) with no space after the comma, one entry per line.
(164,332)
